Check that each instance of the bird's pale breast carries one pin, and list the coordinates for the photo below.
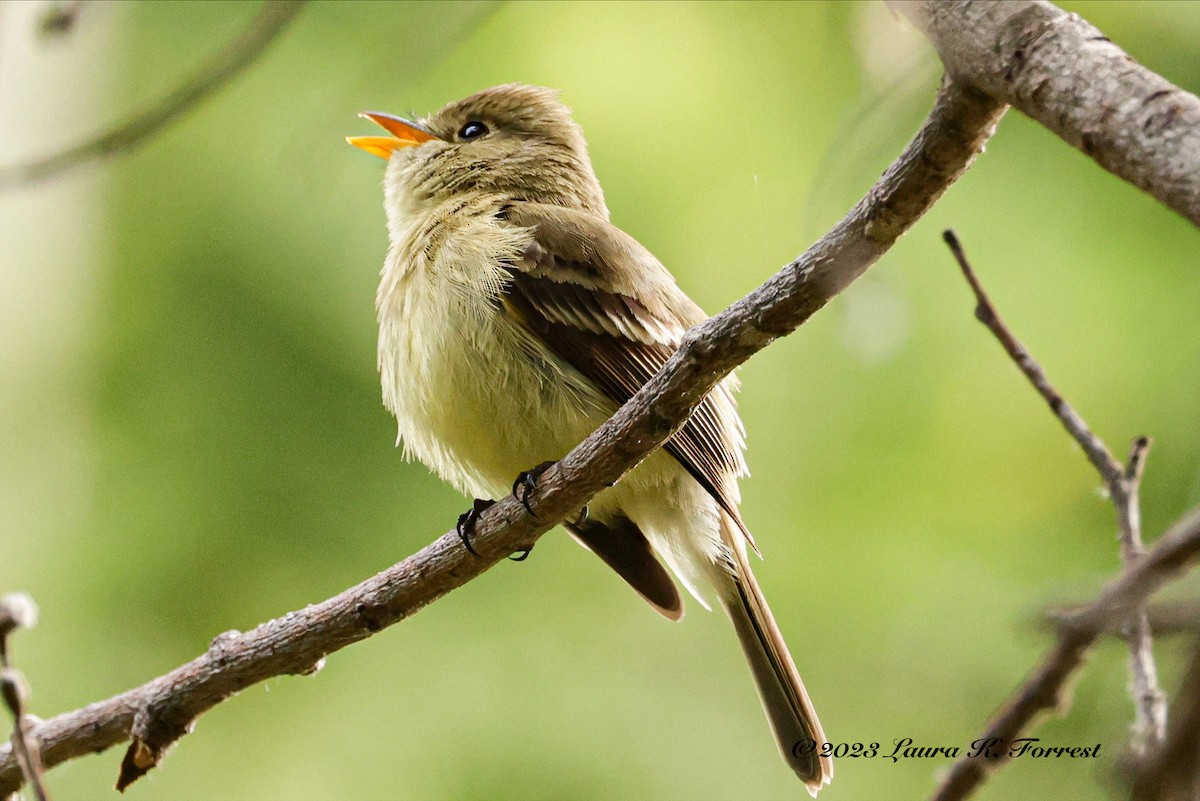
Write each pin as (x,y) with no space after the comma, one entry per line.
(476,398)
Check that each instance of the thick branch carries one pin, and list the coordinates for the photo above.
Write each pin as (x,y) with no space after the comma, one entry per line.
(209,79)
(1174,552)
(161,711)
(1060,70)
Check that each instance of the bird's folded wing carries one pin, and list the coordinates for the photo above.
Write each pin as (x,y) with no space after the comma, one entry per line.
(618,327)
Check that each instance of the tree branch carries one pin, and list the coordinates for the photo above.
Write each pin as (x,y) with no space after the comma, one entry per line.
(18,611)
(1172,773)
(1123,483)
(209,79)
(1175,552)
(1060,70)
(1167,618)
(158,713)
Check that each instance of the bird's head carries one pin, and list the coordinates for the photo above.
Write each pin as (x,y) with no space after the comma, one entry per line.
(513,140)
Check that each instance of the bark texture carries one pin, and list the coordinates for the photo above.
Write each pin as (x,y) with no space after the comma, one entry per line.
(1063,72)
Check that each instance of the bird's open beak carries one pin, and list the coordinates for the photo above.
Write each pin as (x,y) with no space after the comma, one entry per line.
(404,133)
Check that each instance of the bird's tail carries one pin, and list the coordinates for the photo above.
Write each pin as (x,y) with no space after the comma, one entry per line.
(789,710)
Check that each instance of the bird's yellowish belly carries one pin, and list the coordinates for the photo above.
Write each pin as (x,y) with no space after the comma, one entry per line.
(475,398)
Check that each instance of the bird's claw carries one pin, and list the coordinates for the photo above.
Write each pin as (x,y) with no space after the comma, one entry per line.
(468,519)
(522,488)
(526,483)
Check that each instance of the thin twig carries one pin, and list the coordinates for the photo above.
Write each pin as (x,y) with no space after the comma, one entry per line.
(1097,452)
(210,78)
(18,611)
(1150,727)
(1172,772)
(161,711)
(1178,616)
(1123,484)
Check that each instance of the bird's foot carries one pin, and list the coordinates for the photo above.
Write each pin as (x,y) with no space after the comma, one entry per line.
(526,483)
(468,519)
(523,487)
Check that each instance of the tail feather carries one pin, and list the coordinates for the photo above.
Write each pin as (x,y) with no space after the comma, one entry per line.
(790,711)
(624,548)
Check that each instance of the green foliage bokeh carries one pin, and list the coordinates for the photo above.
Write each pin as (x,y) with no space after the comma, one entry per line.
(212,452)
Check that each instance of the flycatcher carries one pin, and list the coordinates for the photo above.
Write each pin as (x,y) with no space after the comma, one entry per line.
(514,319)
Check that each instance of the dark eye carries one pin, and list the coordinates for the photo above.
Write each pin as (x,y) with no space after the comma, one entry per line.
(472,130)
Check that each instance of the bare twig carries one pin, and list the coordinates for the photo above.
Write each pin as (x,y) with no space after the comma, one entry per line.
(18,611)
(1097,452)
(210,78)
(1172,772)
(1063,72)
(1150,727)
(1123,483)
(158,713)
(1174,553)
(1179,616)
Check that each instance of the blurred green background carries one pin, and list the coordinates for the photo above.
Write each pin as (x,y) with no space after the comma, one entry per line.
(193,441)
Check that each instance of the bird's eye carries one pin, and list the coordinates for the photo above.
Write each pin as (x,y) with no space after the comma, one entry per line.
(472,130)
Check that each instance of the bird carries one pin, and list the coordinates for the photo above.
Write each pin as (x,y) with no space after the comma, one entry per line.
(515,318)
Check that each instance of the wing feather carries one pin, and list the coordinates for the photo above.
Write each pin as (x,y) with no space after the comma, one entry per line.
(618,327)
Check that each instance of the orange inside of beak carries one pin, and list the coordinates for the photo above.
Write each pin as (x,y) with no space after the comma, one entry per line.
(403,134)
